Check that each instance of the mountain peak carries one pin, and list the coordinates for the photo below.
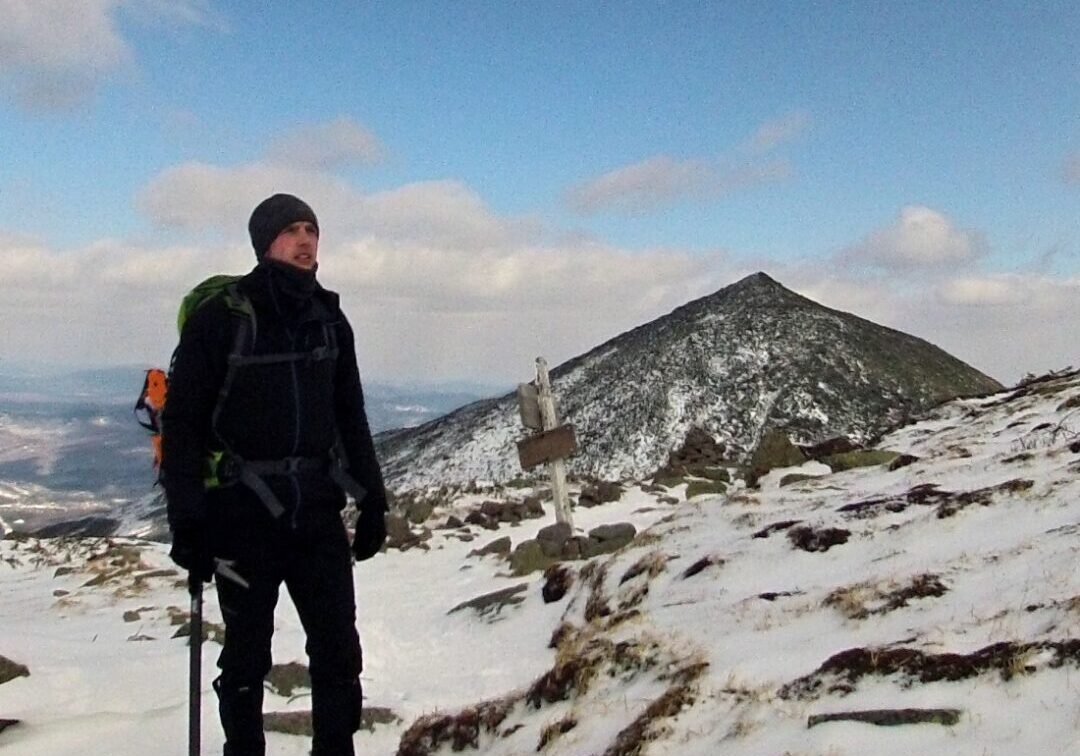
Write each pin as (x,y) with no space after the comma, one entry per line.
(751,357)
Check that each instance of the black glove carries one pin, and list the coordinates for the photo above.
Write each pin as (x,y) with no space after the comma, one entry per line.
(370,531)
(191,550)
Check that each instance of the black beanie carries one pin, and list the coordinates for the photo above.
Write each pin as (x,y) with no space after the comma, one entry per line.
(273,215)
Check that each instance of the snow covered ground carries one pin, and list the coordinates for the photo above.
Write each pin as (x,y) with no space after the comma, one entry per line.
(951,583)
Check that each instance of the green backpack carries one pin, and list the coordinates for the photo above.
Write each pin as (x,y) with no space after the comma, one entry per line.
(247,472)
(206,291)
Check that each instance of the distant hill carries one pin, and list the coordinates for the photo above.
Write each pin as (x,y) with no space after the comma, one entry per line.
(747,358)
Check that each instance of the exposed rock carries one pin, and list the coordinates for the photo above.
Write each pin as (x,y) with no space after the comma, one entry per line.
(621,531)
(477,518)
(552,537)
(614,536)
(711,472)
(289,722)
(9,670)
(775,527)
(791,478)
(600,492)
(377,715)
(647,396)
(860,458)
(286,678)
(528,557)
(93,526)
(6,723)
(902,461)
(809,539)
(774,450)
(704,488)
(491,604)
(840,672)
(557,581)
(698,452)
(418,510)
(534,506)
(499,546)
(836,445)
(492,509)
(398,533)
(701,565)
(454,523)
(890,717)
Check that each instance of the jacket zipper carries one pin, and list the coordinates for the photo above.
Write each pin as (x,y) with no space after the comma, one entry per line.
(296,432)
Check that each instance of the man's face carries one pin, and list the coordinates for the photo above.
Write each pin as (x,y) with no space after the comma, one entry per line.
(296,245)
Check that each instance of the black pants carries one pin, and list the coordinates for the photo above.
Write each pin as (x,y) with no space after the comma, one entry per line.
(309,553)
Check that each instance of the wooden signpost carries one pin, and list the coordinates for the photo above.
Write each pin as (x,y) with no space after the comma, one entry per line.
(552,444)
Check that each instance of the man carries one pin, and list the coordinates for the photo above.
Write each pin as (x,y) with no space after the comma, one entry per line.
(264,431)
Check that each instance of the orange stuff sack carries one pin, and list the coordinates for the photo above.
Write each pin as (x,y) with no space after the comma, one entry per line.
(149,406)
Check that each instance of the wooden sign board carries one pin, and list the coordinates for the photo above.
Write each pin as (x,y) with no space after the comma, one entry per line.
(529,406)
(548,446)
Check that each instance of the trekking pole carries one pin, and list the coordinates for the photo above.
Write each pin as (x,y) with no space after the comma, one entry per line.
(195,588)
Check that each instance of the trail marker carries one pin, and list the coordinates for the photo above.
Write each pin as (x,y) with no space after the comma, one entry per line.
(552,444)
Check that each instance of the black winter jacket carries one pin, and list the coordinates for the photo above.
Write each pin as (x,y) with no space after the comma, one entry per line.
(271,411)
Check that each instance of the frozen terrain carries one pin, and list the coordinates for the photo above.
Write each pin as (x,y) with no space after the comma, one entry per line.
(946,589)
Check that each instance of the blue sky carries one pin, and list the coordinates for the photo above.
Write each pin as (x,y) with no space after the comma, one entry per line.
(511,178)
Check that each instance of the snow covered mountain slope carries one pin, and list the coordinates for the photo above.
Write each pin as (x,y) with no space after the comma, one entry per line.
(747,358)
(946,590)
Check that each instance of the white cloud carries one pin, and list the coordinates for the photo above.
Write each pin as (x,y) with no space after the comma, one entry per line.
(54,54)
(1005,325)
(323,146)
(920,238)
(979,292)
(428,309)
(663,180)
(773,133)
(420,311)
(200,197)
(655,181)
(1071,169)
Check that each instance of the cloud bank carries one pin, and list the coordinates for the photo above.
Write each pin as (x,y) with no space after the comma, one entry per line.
(920,238)
(663,180)
(56,54)
(440,286)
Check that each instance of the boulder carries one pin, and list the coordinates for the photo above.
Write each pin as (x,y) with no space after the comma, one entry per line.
(528,557)
(704,487)
(492,509)
(774,450)
(600,492)
(476,517)
(613,537)
(556,533)
(790,478)
(837,445)
(9,670)
(498,546)
(398,533)
(418,510)
(902,461)
(491,604)
(861,458)
(557,581)
(534,506)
